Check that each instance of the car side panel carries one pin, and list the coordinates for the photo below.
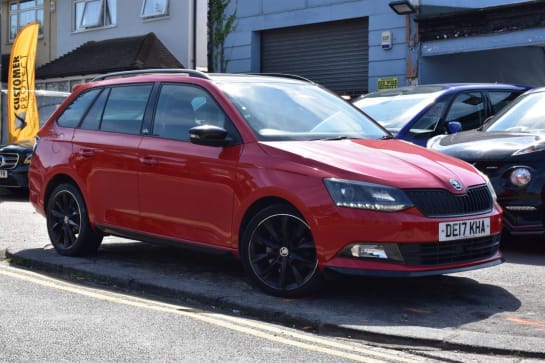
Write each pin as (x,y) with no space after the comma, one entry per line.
(50,159)
(107,165)
(187,190)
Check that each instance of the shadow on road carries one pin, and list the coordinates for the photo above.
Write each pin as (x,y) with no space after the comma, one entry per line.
(13,195)
(524,250)
(435,302)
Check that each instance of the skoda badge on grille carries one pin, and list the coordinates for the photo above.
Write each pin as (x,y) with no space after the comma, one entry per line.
(456,184)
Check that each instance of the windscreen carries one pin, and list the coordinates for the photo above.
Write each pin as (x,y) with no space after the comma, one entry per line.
(298,111)
(525,114)
(394,112)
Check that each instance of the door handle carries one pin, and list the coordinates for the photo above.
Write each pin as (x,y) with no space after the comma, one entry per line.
(148,160)
(87,153)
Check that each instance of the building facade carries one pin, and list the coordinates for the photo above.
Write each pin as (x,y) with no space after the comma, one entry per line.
(358,46)
(350,46)
(179,26)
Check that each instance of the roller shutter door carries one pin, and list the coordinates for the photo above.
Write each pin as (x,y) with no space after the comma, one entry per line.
(334,54)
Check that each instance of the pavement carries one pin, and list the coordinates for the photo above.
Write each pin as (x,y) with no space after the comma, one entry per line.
(497,310)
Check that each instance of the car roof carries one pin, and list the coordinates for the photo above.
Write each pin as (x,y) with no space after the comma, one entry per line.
(442,88)
(146,74)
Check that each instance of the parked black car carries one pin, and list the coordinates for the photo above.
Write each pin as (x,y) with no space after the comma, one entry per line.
(15,157)
(510,149)
(417,113)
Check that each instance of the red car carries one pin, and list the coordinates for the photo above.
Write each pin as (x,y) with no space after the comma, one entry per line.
(286,175)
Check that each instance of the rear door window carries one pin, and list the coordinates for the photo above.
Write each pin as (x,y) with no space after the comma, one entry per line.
(92,119)
(125,108)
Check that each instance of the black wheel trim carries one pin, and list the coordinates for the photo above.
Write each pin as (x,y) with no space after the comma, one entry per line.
(274,269)
(64,219)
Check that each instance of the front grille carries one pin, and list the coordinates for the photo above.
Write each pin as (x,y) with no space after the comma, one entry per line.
(8,161)
(440,253)
(441,203)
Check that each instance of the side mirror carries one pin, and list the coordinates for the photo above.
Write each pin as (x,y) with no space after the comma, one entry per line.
(209,135)
(454,127)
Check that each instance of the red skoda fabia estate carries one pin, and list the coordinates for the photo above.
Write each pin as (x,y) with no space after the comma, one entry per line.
(286,175)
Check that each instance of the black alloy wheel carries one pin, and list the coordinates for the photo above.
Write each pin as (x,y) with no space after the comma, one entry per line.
(279,253)
(68,224)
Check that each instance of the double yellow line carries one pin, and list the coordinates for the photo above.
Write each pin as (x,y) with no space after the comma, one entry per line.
(238,324)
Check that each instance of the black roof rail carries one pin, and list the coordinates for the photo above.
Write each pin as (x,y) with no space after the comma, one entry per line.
(189,72)
(284,75)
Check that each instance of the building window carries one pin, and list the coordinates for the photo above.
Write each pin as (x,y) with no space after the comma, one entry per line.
(154,8)
(22,13)
(90,14)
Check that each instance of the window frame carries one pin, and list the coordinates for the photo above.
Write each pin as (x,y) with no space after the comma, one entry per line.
(37,7)
(156,14)
(106,15)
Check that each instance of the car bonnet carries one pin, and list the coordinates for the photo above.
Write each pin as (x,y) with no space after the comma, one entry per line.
(477,145)
(390,162)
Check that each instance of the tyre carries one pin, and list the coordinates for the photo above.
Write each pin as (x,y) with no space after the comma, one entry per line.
(279,254)
(68,223)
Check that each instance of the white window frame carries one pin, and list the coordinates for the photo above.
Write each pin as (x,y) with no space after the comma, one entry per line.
(93,14)
(148,7)
(16,13)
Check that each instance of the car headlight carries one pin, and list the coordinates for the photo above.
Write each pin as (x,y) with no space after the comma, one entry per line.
(530,149)
(361,195)
(520,176)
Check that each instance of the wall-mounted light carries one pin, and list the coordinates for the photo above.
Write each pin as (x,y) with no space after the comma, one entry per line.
(402,7)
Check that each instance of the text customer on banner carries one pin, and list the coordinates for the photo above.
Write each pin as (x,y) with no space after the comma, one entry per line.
(23,120)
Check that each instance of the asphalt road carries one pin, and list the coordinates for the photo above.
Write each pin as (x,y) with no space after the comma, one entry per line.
(43,319)
(495,310)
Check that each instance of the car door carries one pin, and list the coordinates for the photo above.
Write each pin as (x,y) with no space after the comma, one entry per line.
(468,108)
(106,154)
(186,190)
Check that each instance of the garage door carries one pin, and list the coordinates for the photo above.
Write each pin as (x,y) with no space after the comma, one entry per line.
(334,54)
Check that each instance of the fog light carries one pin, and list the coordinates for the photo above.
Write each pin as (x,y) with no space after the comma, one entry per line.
(372,251)
(520,177)
(387,251)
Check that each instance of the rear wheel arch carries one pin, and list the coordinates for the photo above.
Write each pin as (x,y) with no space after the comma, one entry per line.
(67,179)
(67,220)
(55,182)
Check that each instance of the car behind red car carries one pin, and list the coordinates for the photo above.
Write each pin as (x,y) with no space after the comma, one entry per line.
(277,170)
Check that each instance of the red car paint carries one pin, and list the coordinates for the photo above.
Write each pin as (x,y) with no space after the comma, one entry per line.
(166,190)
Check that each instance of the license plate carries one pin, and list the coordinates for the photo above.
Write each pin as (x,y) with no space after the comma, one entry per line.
(472,228)
(3,174)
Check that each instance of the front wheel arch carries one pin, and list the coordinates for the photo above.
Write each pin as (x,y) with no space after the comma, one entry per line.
(278,251)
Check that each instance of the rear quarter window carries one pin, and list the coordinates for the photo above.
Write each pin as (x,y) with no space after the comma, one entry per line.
(75,111)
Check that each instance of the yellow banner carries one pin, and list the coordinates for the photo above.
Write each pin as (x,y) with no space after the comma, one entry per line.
(23,119)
